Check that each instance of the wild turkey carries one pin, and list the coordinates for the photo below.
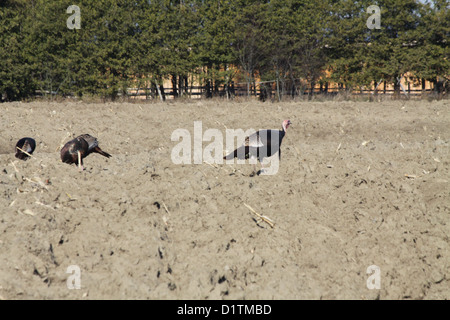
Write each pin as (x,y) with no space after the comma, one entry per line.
(25,144)
(79,148)
(261,144)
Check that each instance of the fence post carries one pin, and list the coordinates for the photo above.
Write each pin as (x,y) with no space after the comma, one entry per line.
(278,91)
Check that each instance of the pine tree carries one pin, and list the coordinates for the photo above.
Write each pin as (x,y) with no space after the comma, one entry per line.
(213,40)
(15,71)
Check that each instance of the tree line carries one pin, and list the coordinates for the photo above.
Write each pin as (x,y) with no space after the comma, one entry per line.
(140,43)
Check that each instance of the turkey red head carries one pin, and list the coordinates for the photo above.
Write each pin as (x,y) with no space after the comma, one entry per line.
(286,124)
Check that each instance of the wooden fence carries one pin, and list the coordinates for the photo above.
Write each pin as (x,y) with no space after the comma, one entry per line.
(264,92)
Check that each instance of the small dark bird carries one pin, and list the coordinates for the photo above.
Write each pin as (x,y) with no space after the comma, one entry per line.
(79,148)
(261,144)
(25,144)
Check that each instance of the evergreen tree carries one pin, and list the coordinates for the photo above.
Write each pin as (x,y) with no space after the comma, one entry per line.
(432,60)
(15,71)
(213,40)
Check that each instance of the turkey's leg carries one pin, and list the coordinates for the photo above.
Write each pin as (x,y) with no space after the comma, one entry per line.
(80,165)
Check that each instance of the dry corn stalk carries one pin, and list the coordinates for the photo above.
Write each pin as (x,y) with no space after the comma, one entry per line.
(28,154)
(263,218)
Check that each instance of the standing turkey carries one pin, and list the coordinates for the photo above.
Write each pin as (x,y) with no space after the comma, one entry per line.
(79,148)
(261,144)
(25,147)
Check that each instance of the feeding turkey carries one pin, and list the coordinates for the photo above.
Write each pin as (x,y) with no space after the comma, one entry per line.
(24,148)
(77,149)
